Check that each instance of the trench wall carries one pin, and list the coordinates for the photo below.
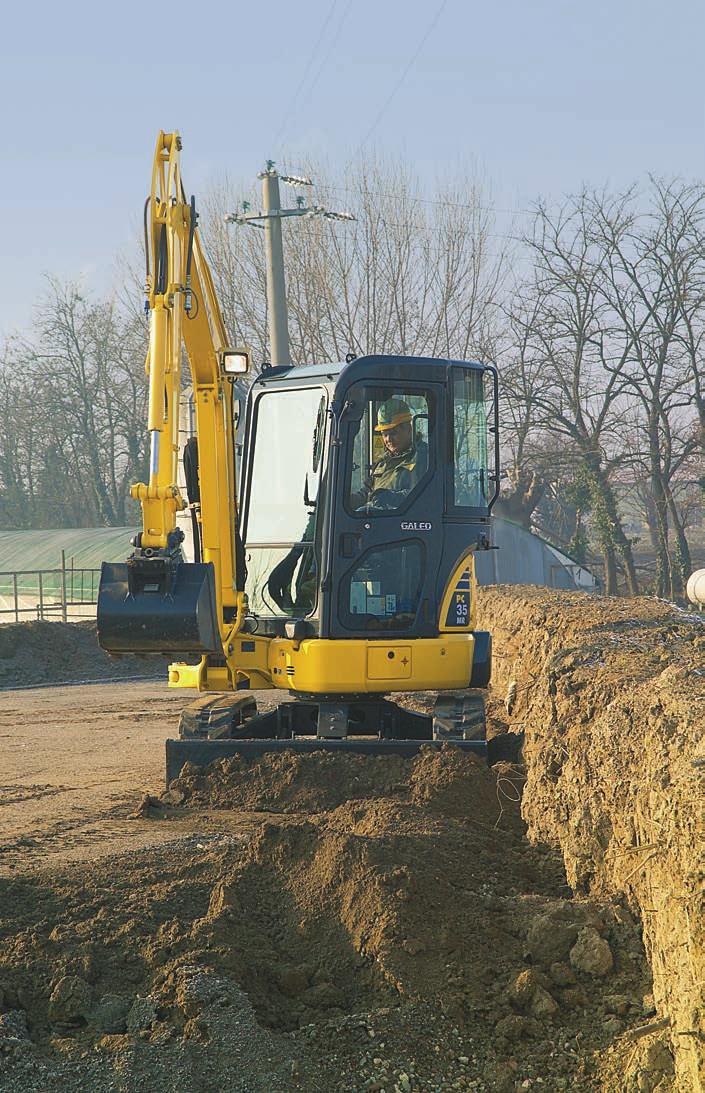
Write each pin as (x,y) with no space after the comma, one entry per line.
(611,696)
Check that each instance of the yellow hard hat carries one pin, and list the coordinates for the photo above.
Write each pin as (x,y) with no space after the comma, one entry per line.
(391,413)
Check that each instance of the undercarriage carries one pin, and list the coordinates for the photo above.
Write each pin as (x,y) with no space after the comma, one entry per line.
(220,726)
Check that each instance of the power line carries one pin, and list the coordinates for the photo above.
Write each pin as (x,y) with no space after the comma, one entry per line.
(434,201)
(294,101)
(331,46)
(429,30)
(440,230)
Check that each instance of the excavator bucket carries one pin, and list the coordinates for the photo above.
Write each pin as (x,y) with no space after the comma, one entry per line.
(158,606)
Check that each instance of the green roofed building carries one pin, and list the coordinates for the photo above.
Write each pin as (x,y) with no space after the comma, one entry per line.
(25,554)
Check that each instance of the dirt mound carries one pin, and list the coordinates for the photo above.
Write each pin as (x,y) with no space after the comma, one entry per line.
(35,653)
(398,933)
(447,781)
(611,696)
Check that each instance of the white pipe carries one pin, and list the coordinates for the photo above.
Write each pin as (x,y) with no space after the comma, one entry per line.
(695,588)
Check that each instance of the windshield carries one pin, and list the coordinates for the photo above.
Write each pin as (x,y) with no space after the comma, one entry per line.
(281,522)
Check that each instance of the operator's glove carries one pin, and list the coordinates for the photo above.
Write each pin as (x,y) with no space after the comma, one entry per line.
(384,499)
(279,582)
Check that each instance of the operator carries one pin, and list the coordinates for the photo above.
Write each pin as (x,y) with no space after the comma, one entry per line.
(402,465)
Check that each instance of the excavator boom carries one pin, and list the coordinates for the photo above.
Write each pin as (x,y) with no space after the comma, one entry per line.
(156,602)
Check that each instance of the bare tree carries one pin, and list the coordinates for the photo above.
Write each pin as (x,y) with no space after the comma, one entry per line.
(571,344)
(653,285)
(77,387)
(409,275)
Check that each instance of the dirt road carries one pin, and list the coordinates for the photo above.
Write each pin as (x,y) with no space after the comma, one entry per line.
(76,761)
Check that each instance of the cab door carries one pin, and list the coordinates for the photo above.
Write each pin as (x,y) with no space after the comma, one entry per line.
(387,511)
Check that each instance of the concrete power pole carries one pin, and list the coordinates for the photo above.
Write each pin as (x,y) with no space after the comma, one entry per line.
(271,219)
(274,251)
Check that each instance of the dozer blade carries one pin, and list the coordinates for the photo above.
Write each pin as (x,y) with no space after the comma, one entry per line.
(158,606)
(201,753)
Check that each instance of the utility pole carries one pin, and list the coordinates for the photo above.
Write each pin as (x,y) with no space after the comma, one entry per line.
(270,219)
(274,251)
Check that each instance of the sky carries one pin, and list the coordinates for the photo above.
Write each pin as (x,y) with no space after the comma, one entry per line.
(540,98)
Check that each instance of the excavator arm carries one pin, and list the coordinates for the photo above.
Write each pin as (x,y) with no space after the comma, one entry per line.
(156,601)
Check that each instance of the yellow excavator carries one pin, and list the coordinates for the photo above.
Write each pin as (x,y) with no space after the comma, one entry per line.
(336,561)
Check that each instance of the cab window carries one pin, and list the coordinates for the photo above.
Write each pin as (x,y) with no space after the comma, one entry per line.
(470,462)
(382,591)
(389,447)
(282,534)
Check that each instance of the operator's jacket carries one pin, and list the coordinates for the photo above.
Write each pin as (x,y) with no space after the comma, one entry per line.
(393,477)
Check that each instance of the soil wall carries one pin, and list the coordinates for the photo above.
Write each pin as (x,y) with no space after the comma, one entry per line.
(610,694)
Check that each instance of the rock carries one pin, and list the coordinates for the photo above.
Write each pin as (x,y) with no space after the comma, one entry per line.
(573,998)
(659,1057)
(502,1078)
(553,933)
(562,974)
(529,993)
(196,1028)
(110,1014)
(197,989)
(69,1001)
(404,1083)
(13,1025)
(617,1003)
(293,980)
(110,1044)
(591,953)
(63,1045)
(146,808)
(521,991)
(223,901)
(174,796)
(141,1016)
(514,1027)
(543,1004)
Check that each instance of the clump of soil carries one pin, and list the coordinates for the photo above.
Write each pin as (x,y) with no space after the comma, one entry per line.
(35,653)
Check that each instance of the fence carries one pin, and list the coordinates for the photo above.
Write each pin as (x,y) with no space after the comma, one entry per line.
(64,593)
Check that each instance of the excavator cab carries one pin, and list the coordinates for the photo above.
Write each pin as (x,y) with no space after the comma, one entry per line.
(363,486)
